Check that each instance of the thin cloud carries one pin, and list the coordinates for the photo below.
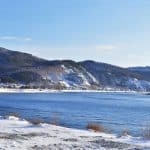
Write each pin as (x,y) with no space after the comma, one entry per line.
(105,47)
(8,38)
(90,47)
(27,39)
(15,38)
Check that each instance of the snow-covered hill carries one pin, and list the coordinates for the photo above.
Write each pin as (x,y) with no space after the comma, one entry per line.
(26,71)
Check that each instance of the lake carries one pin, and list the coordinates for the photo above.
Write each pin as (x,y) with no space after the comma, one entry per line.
(115,111)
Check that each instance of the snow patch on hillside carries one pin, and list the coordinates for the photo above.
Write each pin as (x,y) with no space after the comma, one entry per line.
(139,84)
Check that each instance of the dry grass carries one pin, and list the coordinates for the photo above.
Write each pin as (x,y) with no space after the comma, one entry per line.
(124,132)
(146,133)
(15,114)
(36,121)
(54,119)
(95,127)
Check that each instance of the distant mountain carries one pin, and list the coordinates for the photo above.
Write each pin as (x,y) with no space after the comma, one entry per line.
(22,70)
(30,71)
(116,77)
(15,58)
(143,71)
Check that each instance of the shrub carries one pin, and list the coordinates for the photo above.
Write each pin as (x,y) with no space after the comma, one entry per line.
(15,114)
(146,133)
(54,119)
(124,132)
(36,121)
(95,127)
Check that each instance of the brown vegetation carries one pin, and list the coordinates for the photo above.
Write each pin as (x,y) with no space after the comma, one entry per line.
(95,127)
(124,132)
(146,133)
(15,114)
(36,121)
(54,119)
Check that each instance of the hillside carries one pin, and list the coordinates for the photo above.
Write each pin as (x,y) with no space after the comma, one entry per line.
(116,77)
(24,70)
(143,71)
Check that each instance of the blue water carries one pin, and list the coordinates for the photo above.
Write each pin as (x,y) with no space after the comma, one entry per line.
(115,111)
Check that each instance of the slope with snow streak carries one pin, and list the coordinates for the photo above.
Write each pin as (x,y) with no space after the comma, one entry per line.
(19,134)
(70,77)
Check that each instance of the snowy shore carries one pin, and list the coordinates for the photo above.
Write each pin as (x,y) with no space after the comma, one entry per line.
(11,90)
(16,134)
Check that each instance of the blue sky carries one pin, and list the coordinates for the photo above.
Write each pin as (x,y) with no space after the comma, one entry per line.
(111,31)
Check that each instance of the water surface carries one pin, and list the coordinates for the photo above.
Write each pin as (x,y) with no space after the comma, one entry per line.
(115,111)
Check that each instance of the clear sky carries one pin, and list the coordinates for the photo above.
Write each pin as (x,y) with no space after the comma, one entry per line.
(111,31)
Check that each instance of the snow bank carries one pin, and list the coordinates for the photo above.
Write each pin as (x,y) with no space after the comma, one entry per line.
(19,134)
(7,90)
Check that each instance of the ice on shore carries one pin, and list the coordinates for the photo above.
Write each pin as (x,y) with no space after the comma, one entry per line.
(17,134)
(17,90)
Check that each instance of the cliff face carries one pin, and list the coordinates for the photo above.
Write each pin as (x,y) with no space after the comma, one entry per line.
(23,69)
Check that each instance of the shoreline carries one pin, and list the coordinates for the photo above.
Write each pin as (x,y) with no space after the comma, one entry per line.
(19,134)
(13,90)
